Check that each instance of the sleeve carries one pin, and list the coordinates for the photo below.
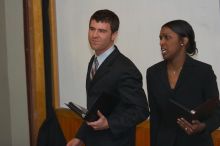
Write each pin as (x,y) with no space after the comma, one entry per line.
(154,118)
(83,131)
(133,106)
(210,91)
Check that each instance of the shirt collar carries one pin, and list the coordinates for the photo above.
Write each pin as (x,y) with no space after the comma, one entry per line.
(101,58)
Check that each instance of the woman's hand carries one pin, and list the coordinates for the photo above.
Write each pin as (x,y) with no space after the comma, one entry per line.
(191,128)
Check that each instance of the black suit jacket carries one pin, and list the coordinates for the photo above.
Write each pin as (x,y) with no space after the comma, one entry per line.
(120,77)
(196,83)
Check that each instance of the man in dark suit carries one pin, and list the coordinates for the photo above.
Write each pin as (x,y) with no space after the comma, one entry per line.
(110,71)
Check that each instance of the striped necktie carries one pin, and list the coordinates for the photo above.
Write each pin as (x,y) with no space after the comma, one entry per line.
(94,68)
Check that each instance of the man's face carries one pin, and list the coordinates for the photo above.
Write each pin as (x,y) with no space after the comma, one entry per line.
(100,36)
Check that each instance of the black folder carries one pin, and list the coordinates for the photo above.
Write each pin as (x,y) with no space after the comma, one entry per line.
(105,103)
(201,112)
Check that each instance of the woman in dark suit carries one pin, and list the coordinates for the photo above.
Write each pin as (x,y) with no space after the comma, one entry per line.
(185,80)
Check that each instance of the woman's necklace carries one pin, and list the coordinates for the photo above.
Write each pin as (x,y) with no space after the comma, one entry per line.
(174,72)
(173,76)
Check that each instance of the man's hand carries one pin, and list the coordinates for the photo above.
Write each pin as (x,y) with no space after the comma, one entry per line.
(75,142)
(191,128)
(100,124)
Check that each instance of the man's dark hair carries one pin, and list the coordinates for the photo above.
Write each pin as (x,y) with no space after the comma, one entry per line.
(106,16)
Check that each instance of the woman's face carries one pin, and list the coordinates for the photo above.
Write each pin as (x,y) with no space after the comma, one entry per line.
(171,44)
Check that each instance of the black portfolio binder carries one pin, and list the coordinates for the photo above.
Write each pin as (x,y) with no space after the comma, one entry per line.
(199,113)
(104,103)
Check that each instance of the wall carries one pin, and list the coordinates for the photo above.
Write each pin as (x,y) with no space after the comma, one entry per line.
(13,102)
(5,133)
(138,35)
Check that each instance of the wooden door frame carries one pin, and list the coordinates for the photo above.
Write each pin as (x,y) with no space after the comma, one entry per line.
(34,56)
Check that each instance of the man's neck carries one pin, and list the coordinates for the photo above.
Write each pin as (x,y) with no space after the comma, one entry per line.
(99,52)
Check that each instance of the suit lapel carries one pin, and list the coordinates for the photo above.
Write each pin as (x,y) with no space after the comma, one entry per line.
(88,80)
(184,72)
(103,69)
(164,75)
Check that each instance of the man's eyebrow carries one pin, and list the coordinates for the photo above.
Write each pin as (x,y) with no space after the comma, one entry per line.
(102,29)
